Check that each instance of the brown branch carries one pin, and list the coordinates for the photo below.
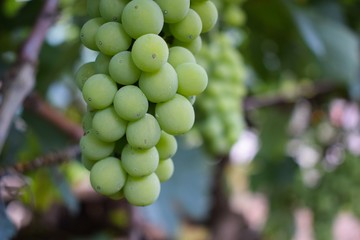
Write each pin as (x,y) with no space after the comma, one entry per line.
(37,105)
(18,82)
(53,158)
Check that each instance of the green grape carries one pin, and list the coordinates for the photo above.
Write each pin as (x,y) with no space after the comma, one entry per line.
(165,170)
(93,148)
(150,52)
(141,17)
(108,126)
(111,38)
(117,196)
(187,29)
(87,121)
(92,7)
(123,70)
(139,162)
(119,146)
(88,32)
(87,163)
(111,10)
(143,133)
(192,78)
(208,14)
(193,46)
(142,191)
(174,11)
(159,86)
(234,16)
(179,55)
(107,176)
(83,73)
(102,63)
(192,99)
(167,146)
(175,116)
(130,103)
(99,91)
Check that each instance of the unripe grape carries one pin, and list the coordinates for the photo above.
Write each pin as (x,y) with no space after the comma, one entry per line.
(130,103)
(161,85)
(141,17)
(102,63)
(192,78)
(111,10)
(99,91)
(83,73)
(208,14)
(111,38)
(142,191)
(139,162)
(123,70)
(93,148)
(88,32)
(108,126)
(179,55)
(175,10)
(86,162)
(143,133)
(187,29)
(193,46)
(150,52)
(107,176)
(167,146)
(165,170)
(175,116)
(87,121)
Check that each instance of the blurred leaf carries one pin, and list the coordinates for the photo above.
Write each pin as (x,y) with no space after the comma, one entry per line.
(186,193)
(7,228)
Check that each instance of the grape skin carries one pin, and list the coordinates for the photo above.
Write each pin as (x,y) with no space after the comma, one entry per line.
(83,73)
(187,29)
(88,33)
(167,146)
(165,170)
(192,79)
(93,148)
(123,70)
(175,10)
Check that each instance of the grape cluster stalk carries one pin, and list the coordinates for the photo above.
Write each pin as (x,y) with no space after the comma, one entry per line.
(139,90)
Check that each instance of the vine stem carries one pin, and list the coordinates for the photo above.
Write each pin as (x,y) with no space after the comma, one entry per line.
(20,79)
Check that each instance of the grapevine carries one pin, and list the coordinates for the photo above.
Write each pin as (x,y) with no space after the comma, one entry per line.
(139,90)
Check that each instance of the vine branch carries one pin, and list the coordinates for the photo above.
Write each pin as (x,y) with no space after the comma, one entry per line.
(18,82)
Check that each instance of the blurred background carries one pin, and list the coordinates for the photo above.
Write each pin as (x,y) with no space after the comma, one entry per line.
(274,153)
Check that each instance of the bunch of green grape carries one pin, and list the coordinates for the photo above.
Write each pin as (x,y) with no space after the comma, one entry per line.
(220,105)
(139,90)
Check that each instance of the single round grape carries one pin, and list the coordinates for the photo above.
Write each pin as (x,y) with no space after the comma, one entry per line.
(165,169)
(93,148)
(83,73)
(167,146)
(88,32)
(194,46)
(139,162)
(208,14)
(175,116)
(143,133)
(107,176)
(175,10)
(179,55)
(192,78)
(86,162)
(150,52)
(108,126)
(123,70)
(161,85)
(111,10)
(102,63)
(130,103)
(187,29)
(141,17)
(142,191)
(111,38)
(92,7)
(99,91)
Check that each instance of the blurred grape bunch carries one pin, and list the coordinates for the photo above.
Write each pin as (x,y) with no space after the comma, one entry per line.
(221,118)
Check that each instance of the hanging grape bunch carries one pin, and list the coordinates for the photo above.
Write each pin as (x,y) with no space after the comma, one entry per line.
(139,90)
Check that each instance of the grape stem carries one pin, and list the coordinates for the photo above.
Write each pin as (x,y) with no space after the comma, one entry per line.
(19,80)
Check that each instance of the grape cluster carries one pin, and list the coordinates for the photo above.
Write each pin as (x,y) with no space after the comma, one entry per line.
(139,90)
(220,104)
